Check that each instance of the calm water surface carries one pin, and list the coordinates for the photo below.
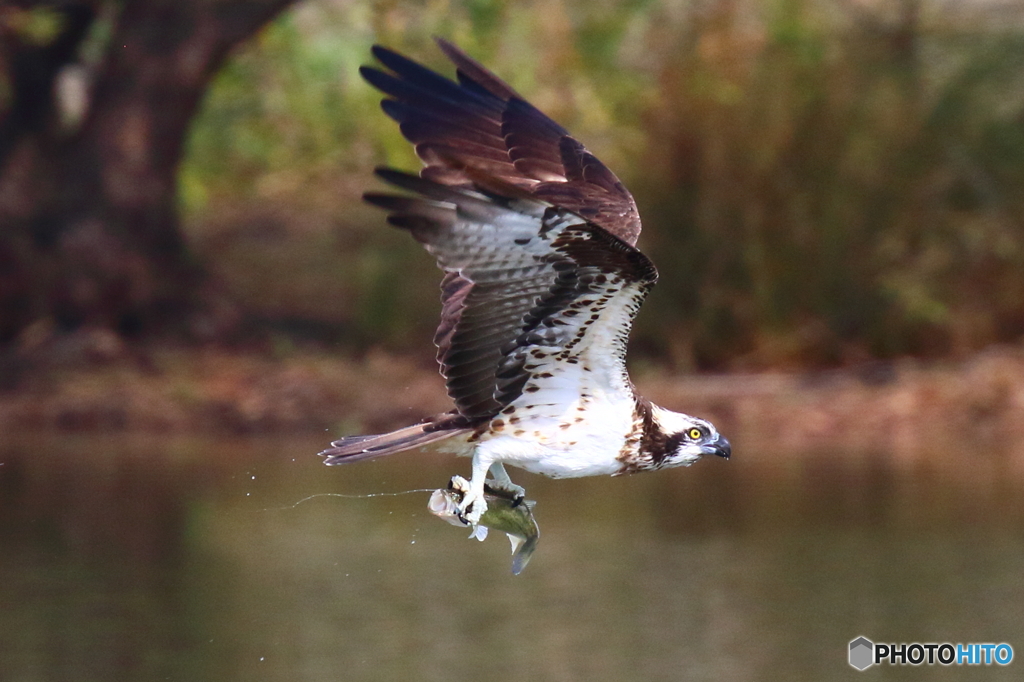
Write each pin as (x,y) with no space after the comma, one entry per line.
(129,558)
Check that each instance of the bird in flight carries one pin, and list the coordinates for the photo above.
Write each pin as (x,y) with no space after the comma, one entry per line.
(542,280)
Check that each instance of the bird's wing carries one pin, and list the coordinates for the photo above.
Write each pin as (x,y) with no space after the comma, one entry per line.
(525,280)
(480,122)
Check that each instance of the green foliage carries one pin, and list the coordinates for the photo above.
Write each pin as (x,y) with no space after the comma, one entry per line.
(37,26)
(819,184)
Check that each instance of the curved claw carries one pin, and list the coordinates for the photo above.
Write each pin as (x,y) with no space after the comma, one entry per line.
(472,508)
(510,491)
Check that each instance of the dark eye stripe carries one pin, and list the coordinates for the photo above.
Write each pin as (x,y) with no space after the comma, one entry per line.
(677,439)
(674,441)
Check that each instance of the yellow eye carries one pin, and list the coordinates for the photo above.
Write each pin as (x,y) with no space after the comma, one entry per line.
(695,434)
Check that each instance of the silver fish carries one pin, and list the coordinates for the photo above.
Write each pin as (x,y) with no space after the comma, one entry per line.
(505,512)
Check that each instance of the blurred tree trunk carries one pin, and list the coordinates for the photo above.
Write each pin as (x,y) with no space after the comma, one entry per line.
(89,231)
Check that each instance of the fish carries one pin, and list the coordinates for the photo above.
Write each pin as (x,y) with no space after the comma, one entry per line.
(506,512)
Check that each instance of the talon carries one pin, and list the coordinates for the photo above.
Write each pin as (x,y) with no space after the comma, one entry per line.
(471,512)
(509,490)
(458,483)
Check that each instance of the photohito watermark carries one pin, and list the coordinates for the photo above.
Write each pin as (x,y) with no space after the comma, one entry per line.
(864,653)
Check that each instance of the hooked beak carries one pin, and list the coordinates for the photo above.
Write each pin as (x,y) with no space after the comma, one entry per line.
(719,447)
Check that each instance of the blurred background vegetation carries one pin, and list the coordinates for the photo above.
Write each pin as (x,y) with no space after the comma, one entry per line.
(822,181)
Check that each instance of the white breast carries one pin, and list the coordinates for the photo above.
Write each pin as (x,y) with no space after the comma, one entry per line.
(569,424)
(577,409)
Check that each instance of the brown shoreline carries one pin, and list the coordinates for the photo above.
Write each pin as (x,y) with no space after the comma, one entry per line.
(906,409)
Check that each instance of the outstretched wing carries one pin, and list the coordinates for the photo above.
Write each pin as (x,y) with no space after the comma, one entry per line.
(480,122)
(525,281)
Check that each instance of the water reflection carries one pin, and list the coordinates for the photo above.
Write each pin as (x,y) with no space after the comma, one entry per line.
(142,558)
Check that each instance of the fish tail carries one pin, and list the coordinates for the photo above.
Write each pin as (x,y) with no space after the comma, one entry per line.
(521,555)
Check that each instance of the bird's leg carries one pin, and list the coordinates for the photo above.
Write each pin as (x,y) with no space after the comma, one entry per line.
(461,486)
(473,504)
(501,482)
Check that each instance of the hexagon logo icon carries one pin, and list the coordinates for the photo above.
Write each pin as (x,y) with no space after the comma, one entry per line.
(862,653)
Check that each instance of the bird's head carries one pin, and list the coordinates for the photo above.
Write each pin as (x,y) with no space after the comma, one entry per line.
(689,438)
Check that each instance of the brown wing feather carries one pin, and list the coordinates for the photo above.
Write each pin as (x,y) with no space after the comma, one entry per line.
(520,273)
(481,122)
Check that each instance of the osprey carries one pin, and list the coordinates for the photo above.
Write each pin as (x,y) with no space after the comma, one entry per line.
(536,238)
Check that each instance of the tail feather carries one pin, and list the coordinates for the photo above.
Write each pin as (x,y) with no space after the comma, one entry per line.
(358,448)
